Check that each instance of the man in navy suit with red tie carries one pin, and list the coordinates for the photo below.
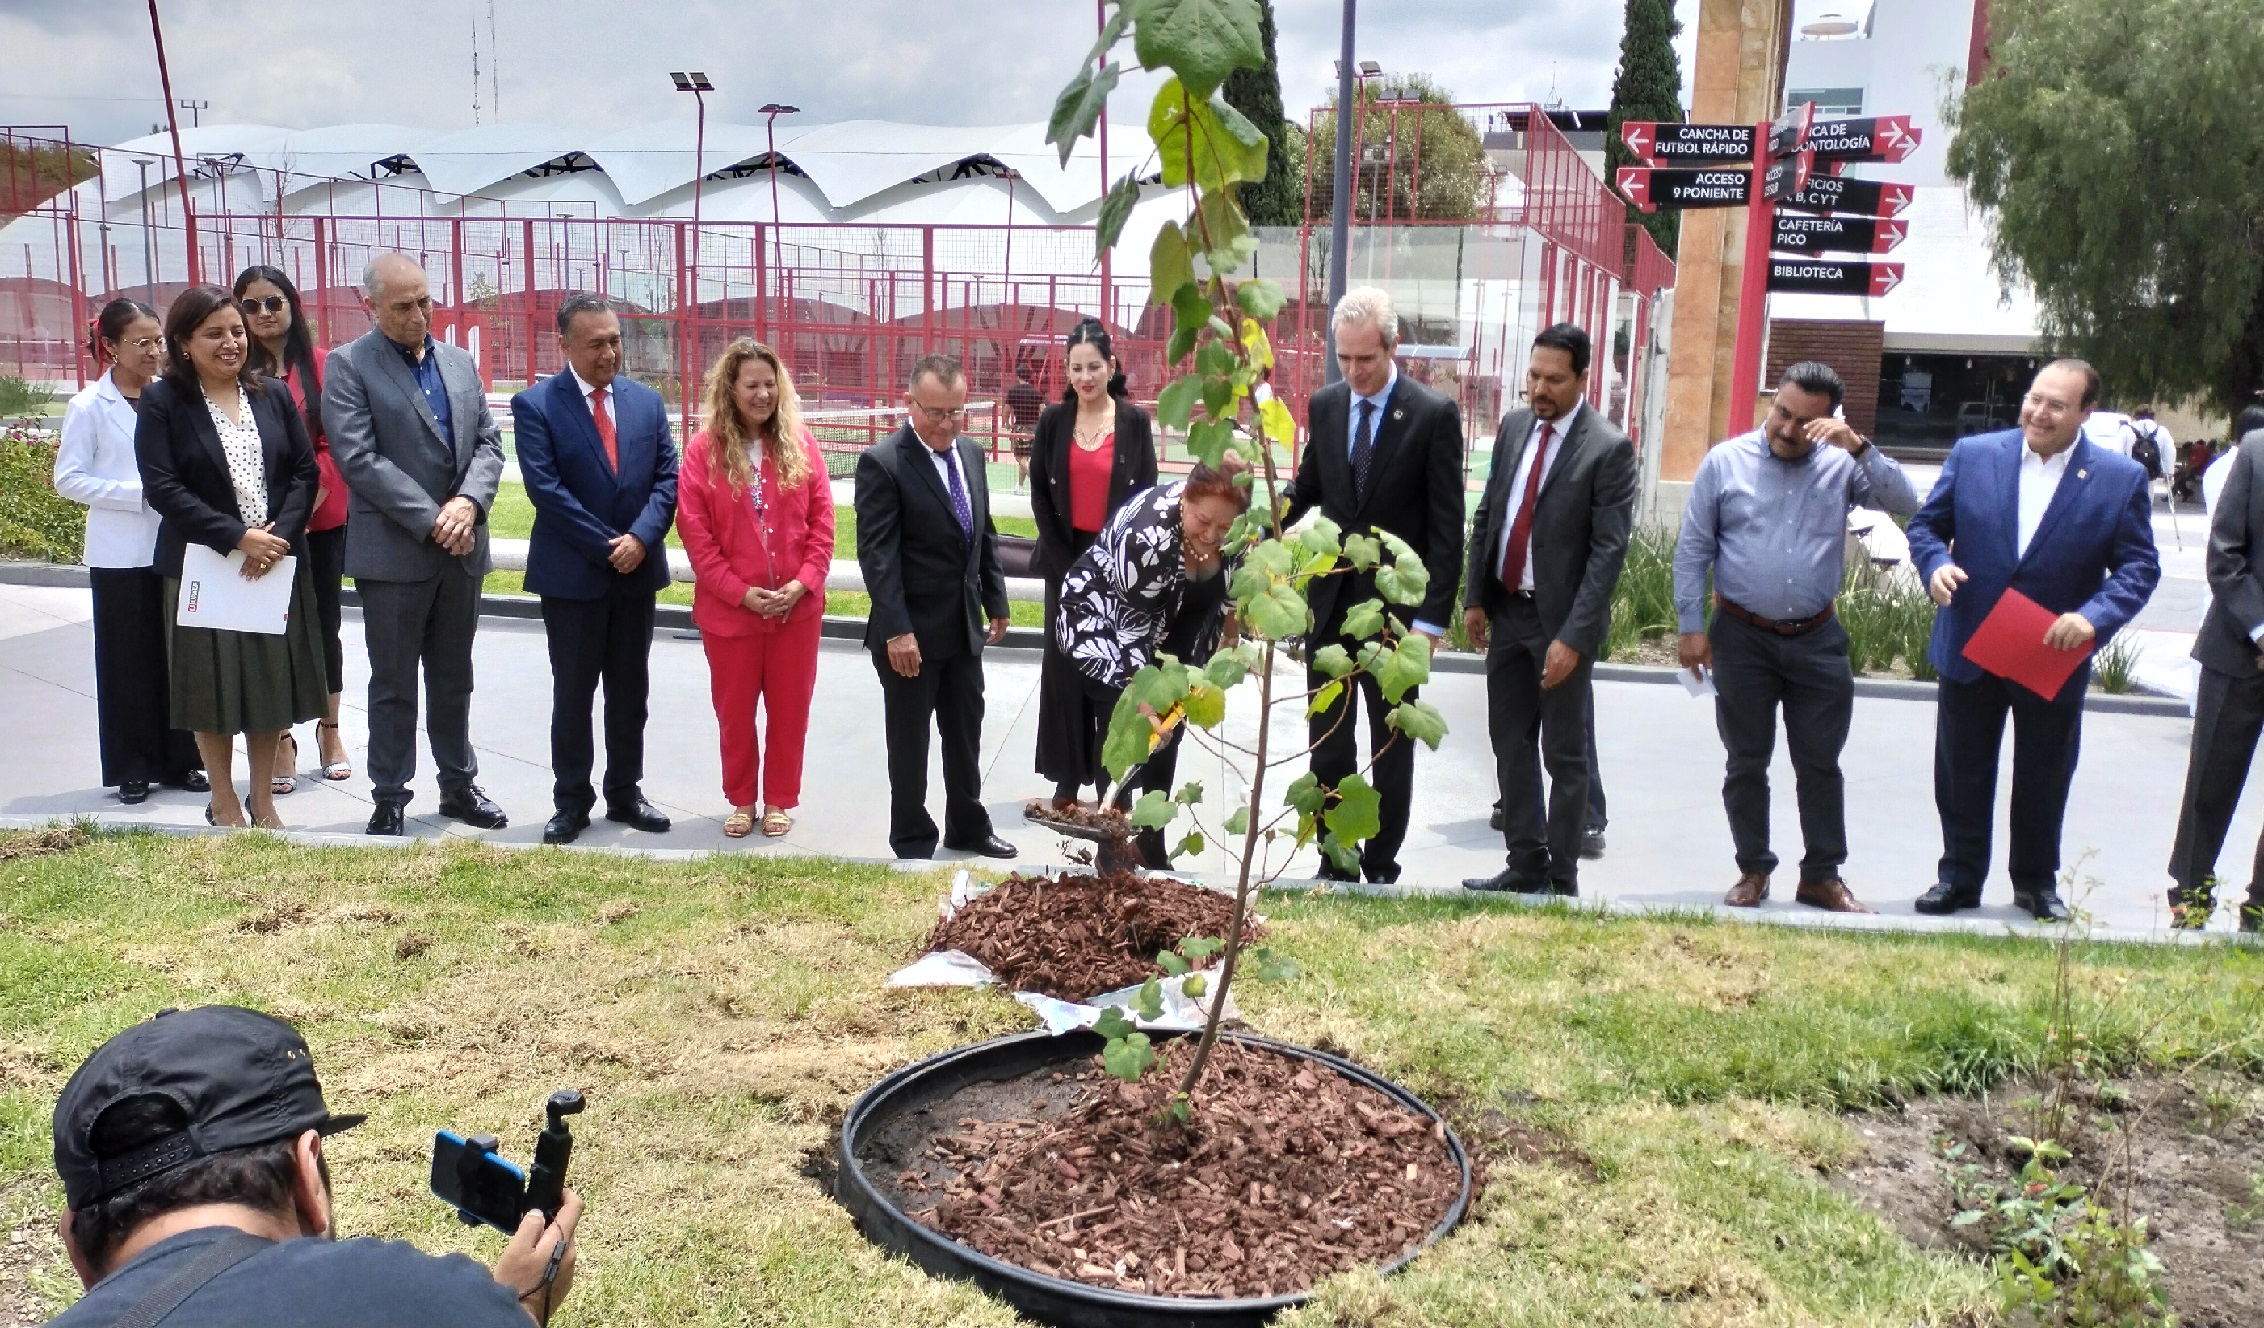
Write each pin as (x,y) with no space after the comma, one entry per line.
(600,468)
(2045,511)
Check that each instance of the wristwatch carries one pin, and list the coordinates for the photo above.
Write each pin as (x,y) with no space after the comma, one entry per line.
(1862,445)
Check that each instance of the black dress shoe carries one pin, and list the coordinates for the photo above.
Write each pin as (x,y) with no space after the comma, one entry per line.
(473,808)
(638,815)
(1592,844)
(990,846)
(133,791)
(389,818)
(565,827)
(2044,905)
(192,781)
(1383,875)
(1946,898)
(1510,881)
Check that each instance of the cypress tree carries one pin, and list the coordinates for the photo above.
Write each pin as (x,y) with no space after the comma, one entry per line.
(1279,199)
(1648,86)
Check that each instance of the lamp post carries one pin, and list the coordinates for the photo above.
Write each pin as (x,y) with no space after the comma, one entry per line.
(149,237)
(1340,202)
(770,112)
(697,84)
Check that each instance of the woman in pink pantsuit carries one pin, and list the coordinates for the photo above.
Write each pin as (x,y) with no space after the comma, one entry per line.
(755,510)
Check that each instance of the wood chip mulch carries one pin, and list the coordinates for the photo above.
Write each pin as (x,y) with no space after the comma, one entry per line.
(1290,1173)
(1077,937)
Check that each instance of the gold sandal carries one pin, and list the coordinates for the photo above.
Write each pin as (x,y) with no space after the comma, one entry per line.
(737,824)
(776,824)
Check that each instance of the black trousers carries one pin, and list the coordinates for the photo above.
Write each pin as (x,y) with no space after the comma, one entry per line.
(2228,715)
(405,625)
(608,640)
(1336,757)
(326,552)
(1599,818)
(1969,729)
(1534,727)
(948,695)
(1755,674)
(132,703)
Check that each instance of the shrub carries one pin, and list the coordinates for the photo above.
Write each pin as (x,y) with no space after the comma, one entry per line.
(19,398)
(36,521)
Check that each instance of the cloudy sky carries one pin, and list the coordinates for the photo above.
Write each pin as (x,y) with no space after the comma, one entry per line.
(303,63)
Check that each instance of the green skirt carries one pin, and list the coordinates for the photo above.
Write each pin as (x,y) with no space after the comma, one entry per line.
(248,682)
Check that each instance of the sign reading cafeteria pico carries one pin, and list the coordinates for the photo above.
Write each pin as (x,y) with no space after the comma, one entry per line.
(1826,276)
(1852,235)
(1666,142)
(1651,188)
(1876,138)
(1837,193)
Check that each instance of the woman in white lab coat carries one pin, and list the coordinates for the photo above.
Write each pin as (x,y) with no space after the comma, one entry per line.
(95,465)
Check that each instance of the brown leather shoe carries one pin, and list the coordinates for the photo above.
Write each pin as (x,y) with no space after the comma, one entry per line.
(1750,890)
(1830,894)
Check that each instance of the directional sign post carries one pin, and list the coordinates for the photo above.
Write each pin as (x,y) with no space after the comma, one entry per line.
(1837,193)
(1832,276)
(1848,235)
(1876,138)
(1666,143)
(1650,188)
(1787,177)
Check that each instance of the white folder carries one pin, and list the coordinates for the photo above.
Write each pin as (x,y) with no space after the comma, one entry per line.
(215,595)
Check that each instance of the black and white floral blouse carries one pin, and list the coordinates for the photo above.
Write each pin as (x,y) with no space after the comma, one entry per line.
(1126,593)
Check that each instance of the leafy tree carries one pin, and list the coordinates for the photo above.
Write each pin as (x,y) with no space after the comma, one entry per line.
(1437,174)
(32,172)
(1648,86)
(1279,199)
(1207,147)
(2120,146)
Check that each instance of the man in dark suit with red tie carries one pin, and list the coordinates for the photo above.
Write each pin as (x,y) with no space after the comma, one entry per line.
(2043,510)
(600,468)
(1546,550)
(1385,452)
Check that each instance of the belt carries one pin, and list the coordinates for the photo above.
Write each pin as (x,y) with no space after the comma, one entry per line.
(1782,627)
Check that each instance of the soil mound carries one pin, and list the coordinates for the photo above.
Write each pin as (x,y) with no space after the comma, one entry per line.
(1076,937)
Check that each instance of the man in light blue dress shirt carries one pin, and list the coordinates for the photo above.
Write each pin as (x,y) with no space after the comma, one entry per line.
(1768,517)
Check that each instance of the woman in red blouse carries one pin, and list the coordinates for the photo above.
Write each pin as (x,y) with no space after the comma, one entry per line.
(755,510)
(1093,451)
(282,346)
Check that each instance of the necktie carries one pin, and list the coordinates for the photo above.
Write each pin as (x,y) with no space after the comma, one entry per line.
(1363,448)
(1521,529)
(959,506)
(604,423)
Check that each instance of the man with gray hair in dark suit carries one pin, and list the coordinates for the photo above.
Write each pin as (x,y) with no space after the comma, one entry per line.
(421,456)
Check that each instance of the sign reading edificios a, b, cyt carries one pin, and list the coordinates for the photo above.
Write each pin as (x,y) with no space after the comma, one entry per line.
(1826,276)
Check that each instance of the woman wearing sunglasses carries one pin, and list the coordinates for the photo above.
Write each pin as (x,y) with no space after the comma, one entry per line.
(755,509)
(282,346)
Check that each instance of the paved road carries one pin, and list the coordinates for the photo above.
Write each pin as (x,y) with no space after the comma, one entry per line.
(1669,845)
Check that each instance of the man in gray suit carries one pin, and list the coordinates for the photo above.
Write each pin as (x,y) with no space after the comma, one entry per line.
(1546,550)
(421,455)
(2228,714)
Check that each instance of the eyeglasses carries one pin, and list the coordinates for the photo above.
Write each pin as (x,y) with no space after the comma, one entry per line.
(942,414)
(274,304)
(143,343)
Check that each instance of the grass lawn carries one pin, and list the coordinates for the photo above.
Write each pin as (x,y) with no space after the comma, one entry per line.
(721,1014)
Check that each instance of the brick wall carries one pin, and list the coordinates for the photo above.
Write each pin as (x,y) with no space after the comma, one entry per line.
(1853,348)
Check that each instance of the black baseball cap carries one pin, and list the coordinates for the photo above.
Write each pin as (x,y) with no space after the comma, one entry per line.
(242,1079)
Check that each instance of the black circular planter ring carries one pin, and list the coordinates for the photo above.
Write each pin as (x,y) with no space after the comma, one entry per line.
(1055,1300)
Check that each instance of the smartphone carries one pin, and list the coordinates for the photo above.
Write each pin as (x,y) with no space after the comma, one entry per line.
(478,1183)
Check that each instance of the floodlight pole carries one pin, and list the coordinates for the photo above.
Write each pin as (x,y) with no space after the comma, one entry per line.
(173,120)
(771,112)
(149,238)
(1340,203)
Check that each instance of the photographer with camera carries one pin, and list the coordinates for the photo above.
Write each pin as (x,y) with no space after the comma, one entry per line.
(190,1147)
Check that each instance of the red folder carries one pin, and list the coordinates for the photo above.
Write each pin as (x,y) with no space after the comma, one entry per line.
(2010,643)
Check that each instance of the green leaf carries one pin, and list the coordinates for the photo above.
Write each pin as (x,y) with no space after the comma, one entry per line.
(1306,794)
(1206,705)
(1403,582)
(1172,964)
(1190,309)
(1114,1023)
(1175,405)
(1408,665)
(1363,552)
(1321,535)
(1207,440)
(1181,345)
(1195,986)
(1325,696)
(1202,41)
(1223,232)
(1343,855)
(1171,264)
(1199,948)
(1218,389)
(1190,847)
(1358,813)
(1190,793)
(1280,612)
(1204,142)
(1078,109)
(1153,811)
(1149,1003)
(1260,299)
(1229,667)
(1128,1057)
(1113,30)
(1366,618)
(1237,822)
(1421,721)
(1333,660)
(1116,209)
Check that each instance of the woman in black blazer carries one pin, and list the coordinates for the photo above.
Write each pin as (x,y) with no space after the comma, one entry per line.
(225,463)
(1093,451)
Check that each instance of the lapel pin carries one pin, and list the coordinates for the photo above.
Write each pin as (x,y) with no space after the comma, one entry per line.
(2083,474)
(1399,414)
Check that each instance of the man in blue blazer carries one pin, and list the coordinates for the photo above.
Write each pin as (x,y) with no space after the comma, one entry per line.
(2043,510)
(600,468)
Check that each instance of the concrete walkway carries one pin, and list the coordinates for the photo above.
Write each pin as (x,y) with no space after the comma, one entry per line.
(1669,845)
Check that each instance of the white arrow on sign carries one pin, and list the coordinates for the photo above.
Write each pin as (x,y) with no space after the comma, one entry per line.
(1638,138)
(1891,234)
(1889,276)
